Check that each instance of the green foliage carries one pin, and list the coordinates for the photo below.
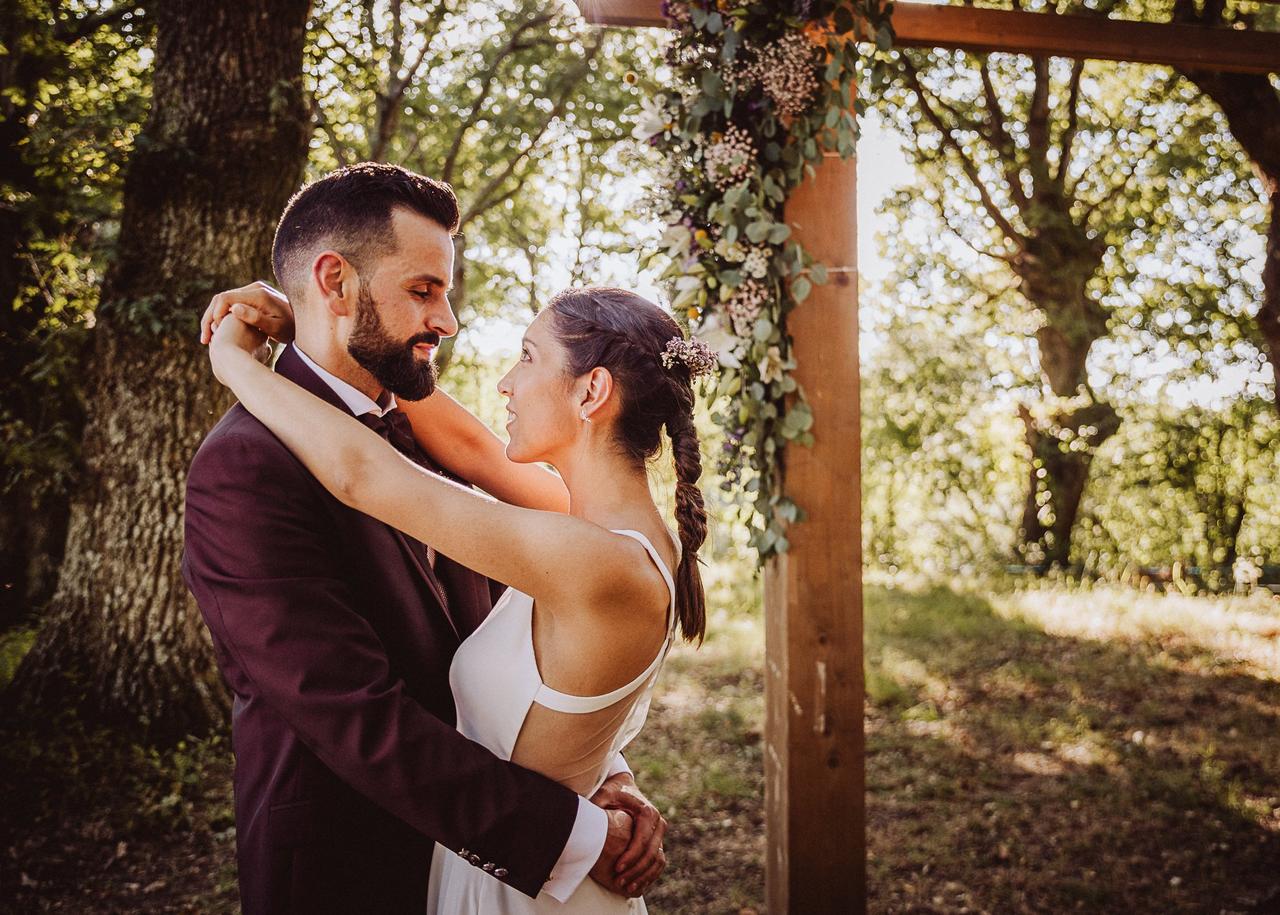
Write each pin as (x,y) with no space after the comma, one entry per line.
(759,92)
(1199,486)
(941,458)
(74,85)
(519,106)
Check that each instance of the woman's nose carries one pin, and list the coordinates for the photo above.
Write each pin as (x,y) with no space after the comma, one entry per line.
(504,385)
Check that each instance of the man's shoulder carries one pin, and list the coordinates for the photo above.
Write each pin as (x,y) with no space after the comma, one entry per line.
(237,428)
(240,439)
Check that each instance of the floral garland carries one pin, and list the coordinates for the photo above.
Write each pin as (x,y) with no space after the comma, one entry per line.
(761,90)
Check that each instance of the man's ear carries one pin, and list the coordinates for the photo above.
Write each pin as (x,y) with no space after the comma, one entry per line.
(335,281)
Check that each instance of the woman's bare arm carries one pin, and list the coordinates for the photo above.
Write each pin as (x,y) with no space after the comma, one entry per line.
(526,548)
(459,442)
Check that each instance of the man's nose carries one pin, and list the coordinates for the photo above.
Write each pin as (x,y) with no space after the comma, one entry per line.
(442,320)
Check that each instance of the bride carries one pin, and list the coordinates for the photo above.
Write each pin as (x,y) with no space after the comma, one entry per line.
(559,675)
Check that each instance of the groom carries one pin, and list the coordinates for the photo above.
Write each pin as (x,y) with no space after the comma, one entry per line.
(334,631)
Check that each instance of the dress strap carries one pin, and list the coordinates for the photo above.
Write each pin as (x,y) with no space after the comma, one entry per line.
(581,705)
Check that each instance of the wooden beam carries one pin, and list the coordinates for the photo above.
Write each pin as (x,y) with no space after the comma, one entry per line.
(815,809)
(927,25)
(921,25)
(623,12)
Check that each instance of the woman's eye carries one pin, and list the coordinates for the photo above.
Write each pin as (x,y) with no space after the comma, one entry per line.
(524,355)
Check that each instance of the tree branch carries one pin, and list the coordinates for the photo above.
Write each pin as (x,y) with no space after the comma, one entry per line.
(511,47)
(482,200)
(970,169)
(1067,140)
(69,31)
(1003,143)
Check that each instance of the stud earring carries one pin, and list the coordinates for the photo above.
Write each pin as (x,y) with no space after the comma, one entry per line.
(583,416)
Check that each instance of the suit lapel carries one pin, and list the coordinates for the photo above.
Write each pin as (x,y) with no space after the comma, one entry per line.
(290,365)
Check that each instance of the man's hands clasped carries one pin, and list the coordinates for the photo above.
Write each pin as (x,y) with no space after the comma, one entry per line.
(633,855)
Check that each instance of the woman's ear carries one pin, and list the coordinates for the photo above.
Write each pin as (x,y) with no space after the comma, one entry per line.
(597,393)
(335,280)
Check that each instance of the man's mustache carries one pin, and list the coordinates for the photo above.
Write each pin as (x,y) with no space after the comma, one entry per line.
(430,338)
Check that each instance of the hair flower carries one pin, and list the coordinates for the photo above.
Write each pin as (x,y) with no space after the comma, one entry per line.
(693,353)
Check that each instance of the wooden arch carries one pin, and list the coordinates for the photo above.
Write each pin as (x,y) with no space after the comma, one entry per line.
(815,809)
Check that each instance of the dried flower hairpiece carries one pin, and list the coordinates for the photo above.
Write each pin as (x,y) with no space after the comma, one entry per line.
(700,358)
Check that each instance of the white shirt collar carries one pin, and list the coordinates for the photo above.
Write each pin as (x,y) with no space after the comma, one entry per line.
(357,401)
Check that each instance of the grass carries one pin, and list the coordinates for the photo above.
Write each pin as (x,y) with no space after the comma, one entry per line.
(1029,749)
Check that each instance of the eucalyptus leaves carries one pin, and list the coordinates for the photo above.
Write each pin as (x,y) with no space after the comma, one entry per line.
(760,91)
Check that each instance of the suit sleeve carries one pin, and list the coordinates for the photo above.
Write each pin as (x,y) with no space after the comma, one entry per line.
(265,575)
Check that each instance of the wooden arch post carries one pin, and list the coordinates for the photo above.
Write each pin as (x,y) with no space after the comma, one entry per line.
(815,809)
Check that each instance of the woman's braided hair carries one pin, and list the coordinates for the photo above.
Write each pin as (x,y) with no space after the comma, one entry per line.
(627,334)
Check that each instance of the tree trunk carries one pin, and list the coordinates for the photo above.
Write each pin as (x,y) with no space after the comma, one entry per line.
(1054,271)
(223,149)
(1059,471)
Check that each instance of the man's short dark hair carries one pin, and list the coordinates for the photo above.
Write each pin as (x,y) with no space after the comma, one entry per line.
(350,210)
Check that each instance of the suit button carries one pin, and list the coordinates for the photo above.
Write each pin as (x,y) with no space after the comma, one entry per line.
(488,866)
(462,853)
(500,872)
(474,859)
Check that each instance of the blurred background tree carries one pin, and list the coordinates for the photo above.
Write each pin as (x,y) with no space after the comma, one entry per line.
(1060,184)
(74,84)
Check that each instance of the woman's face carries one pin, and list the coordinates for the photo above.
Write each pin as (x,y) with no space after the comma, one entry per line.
(542,416)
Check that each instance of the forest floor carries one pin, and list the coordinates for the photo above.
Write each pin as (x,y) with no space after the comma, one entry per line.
(1042,749)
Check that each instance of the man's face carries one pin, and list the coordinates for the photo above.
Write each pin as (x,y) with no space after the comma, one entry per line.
(403,309)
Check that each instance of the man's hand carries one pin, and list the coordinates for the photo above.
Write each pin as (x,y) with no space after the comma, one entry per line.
(643,858)
(615,841)
(263,308)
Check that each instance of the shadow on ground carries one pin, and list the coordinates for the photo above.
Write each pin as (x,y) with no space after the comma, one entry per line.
(1010,770)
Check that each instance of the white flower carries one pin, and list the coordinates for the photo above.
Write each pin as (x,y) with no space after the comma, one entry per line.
(733,252)
(653,119)
(771,365)
(756,262)
(727,346)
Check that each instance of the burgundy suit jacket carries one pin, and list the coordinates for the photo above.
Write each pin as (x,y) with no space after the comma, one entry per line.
(336,636)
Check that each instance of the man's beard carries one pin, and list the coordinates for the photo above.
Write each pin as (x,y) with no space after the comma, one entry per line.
(392,363)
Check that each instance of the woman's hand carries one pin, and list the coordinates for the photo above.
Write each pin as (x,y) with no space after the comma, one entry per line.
(263,307)
(233,340)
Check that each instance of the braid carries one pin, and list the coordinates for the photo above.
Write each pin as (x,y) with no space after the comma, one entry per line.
(691,514)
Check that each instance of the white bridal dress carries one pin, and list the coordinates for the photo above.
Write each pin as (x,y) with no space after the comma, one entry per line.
(504,705)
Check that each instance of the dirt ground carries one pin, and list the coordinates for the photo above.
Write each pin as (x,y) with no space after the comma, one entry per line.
(1043,750)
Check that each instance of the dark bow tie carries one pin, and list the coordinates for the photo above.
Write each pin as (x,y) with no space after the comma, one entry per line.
(394,427)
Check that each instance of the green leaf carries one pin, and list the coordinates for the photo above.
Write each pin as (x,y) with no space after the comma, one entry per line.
(800,288)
